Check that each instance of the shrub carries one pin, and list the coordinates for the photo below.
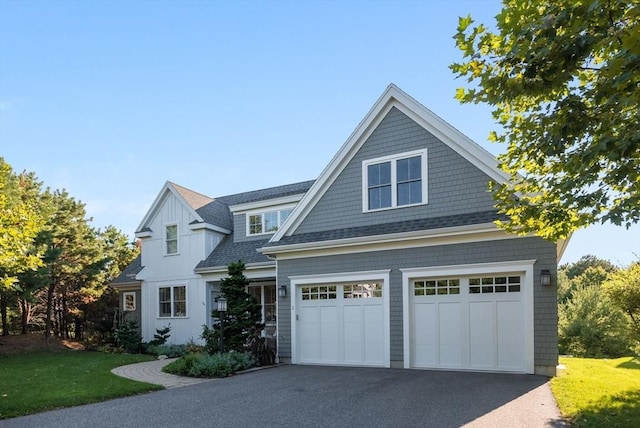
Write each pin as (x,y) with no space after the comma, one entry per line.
(589,325)
(206,365)
(161,336)
(128,338)
(171,351)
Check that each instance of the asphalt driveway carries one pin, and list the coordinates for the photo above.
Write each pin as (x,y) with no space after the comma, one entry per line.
(308,396)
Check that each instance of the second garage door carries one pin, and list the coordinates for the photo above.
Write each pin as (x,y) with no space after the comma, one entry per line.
(474,322)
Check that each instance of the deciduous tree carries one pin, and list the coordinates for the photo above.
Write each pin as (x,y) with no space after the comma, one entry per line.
(563,78)
(623,288)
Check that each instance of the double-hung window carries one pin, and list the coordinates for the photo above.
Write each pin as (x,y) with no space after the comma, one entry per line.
(394,181)
(171,239)
(266,222)
(172,301)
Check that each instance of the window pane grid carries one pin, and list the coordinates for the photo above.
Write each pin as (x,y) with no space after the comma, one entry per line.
(362,291)
(172,301)
(494,284)
(433,287)
(394,183)
(319,292)
(171,239)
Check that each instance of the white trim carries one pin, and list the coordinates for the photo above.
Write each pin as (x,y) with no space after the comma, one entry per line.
(342,277)
(208,226)
(144,234)
(252,271)
(524,266)
(262,213)
(266,204)
(165,251)
(172,301)
(445,236)
(124,301)
(394,179)
(392,97)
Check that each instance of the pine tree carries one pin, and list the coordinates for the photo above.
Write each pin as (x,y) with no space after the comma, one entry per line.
(244,317)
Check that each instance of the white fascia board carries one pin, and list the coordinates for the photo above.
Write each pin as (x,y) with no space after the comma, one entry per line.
(337,164)
(449,135)
(561,246)
(252,271)
(445,236)
(158,201)
(250,206)
(127,286)
(144,234)
(208,226)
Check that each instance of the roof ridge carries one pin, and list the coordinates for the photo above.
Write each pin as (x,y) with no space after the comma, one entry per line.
(263,190)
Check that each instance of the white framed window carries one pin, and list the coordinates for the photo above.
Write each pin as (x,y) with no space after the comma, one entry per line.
(171,239)
(172,301)
(128,301)
(394,181)
(260,223)
(265,295)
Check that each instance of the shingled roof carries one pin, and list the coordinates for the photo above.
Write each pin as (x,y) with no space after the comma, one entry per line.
(229,251)
(128,275)
(391,228)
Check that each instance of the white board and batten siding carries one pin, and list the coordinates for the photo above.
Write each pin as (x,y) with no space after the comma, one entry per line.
(341,319)
(169,270)
(469,317)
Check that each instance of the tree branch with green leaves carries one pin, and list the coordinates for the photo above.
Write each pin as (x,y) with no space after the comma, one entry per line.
(563,79)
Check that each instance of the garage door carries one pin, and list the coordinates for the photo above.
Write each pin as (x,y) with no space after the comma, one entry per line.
(341,324)
(474,322)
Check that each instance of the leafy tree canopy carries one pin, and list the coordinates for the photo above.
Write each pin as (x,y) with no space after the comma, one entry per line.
(623,288)
(20,222)
(573,270)
(563,78)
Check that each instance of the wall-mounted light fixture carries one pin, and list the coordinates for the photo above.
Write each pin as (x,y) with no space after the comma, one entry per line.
(282,291)
(545,277)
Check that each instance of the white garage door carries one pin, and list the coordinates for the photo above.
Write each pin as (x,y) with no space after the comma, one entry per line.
(341,324)
(474,322)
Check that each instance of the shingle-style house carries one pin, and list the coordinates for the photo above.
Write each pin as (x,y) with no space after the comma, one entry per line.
(391,258)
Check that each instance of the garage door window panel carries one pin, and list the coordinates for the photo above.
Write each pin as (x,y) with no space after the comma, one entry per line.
(439,287)
(494,284)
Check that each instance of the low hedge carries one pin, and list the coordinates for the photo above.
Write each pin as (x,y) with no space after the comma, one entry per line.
(206,365)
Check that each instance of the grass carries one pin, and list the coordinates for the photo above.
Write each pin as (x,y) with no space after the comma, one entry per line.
(38,381)
(599,392)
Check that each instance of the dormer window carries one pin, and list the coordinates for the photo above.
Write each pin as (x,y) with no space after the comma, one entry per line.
(171,239)
(394,181)
(259,223)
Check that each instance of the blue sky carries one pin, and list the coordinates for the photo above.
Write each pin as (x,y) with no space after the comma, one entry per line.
(109,99)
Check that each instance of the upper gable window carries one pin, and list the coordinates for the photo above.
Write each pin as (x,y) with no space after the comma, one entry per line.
(171,239)
(266,222)
(394,181)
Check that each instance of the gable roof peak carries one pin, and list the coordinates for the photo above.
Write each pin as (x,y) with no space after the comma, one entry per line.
(392,97)
(194,199)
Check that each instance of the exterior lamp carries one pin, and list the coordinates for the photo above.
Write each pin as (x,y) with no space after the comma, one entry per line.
(545,277)
(222,310)
(282,291)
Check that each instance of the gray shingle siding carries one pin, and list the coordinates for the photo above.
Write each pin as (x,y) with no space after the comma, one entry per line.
(455,186)
(545,310)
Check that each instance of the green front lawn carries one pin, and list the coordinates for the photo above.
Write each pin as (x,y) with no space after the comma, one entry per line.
(599,392)
(38,381)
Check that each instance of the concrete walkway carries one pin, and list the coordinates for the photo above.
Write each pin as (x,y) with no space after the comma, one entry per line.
(151,372)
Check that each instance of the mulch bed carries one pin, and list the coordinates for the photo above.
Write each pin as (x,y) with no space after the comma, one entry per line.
(34,342)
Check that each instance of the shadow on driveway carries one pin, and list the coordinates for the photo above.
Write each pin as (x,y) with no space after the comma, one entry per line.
(309,396)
